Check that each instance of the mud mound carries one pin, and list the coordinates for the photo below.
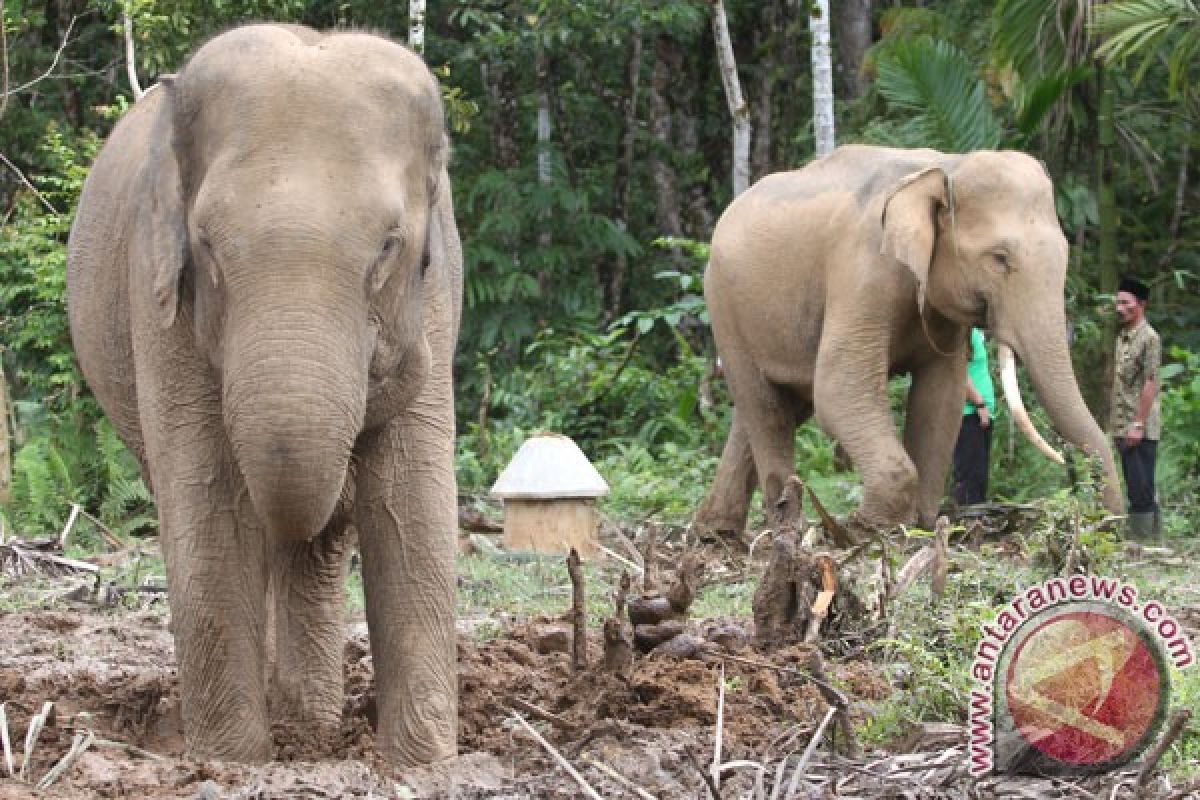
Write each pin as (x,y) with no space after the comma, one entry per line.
(113,675)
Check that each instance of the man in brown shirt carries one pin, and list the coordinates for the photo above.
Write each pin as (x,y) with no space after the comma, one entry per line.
(1135,421)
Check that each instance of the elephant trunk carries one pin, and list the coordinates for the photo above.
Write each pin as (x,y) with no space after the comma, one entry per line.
(1053,376)
(293,407)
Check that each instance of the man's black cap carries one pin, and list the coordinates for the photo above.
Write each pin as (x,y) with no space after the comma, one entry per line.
(1135,287)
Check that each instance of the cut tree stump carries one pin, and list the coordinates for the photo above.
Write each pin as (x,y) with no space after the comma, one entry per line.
(797,594)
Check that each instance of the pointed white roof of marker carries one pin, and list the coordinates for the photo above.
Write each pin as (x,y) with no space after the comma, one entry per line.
(549,466)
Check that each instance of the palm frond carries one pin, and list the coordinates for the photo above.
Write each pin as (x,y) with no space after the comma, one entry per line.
(1141,28)
(1037,100)
(937,82)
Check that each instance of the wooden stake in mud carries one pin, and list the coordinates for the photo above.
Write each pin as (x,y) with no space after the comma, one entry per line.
(578,613)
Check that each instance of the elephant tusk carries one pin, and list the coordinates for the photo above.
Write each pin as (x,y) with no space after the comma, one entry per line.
(1012,395)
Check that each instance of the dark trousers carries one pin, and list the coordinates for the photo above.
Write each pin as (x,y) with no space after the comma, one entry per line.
(972,454)
(1138,465)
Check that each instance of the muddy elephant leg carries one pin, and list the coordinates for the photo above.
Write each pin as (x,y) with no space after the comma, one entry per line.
(727,503)
(215,555)
(935,405)
(851,400)
(307,605)
(407,523)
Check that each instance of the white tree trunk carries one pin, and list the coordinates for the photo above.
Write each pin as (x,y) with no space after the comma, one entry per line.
(416,26)
(130,57)
(822,64)
(543,138)
(733,95)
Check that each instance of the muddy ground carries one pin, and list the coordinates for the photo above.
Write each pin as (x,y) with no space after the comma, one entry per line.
(647,732)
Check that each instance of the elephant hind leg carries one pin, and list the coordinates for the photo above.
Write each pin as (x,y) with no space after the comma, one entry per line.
(727,504)
(769,416)
(307,612)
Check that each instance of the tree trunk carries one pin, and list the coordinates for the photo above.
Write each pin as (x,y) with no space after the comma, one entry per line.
(613,284)
(501,86)
(668,63)
(416,26)
(130,57)
(765,41)
(1107,215)
(733,96)
(823,130)
(852,38)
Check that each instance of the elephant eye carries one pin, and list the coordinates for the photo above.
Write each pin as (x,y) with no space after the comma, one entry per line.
(392,243)
(1002,260)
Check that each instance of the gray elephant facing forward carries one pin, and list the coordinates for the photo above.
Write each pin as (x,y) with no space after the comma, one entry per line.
(873,262)
(264,292)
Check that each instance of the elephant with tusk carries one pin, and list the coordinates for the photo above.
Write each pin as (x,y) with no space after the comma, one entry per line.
(264,291)
(1012,396)
(872,262)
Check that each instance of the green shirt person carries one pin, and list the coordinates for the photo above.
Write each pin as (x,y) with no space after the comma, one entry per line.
(972,450)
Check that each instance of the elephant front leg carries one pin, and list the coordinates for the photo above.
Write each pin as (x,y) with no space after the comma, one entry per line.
(307,604)
(851,399)
(216,571)
(932,422)
(727,504)
(407,526)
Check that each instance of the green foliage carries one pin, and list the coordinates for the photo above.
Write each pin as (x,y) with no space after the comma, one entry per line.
(935,82)
(1148,29)
(1179,449)
(66,453)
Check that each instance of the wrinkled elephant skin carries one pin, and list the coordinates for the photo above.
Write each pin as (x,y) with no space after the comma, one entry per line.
(265,285)
(873,262)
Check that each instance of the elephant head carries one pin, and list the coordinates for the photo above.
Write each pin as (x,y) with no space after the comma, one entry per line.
(981,236)
(296,244)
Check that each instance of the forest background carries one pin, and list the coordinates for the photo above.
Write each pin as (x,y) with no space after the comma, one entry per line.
(592,156)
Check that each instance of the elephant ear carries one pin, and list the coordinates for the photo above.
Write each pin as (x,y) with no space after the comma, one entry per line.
(160,241)
(910,223)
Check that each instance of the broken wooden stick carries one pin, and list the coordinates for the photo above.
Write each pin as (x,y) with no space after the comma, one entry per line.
(618,633)
(1179,719)
(578,613)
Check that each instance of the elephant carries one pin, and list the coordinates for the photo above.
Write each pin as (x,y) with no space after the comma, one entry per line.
(264,295)
(868,263)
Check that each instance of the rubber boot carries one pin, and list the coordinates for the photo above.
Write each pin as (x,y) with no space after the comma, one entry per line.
(1140,526)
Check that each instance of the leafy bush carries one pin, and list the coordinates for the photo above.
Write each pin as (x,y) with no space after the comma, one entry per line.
(65,451)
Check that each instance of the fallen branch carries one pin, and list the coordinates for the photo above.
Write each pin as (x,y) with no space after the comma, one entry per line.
(840,534)
(31,736)
(719,733)
(543,714)
(1179,719)
(4,739)
(712,789)
(807,755)
(557,756)
(619,778)
(82,741)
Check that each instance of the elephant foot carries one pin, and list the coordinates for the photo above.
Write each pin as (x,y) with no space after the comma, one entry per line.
(244,745)
(424,730)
